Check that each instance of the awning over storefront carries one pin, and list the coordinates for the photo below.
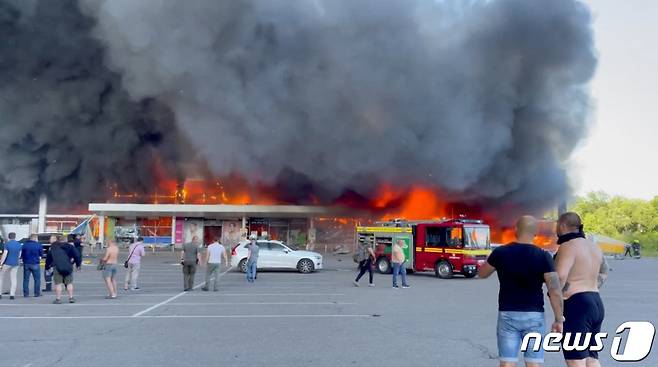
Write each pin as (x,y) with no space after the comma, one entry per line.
(211,211)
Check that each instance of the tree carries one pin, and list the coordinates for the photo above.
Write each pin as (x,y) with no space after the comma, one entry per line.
(619,217)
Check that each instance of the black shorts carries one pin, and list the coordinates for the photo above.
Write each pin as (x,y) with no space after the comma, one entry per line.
(583,313)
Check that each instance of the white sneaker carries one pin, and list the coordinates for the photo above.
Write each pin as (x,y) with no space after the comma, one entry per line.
(356,284)
(371,285)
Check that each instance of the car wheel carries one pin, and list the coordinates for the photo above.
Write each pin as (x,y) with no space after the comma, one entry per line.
(242,265)
(305,266)
(443,270)
(383,265)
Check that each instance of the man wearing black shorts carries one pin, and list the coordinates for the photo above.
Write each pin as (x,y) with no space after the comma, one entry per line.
(582,271)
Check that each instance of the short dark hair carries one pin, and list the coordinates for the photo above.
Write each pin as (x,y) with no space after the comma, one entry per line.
(60,238)
(571,220)
(140,238)
(216,239)
(12,235)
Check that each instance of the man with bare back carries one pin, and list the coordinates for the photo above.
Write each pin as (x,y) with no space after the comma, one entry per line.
(110,269)
(582,271)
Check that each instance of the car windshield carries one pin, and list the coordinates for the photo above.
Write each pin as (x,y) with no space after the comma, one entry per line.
(477,237)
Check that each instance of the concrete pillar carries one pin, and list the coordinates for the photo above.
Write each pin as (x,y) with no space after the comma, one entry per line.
(101,229)
(173,229)
(310,235)
(43,208)
(244,233)
(173,232)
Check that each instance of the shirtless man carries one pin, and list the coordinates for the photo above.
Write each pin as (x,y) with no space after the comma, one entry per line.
(110,270)
(582,271)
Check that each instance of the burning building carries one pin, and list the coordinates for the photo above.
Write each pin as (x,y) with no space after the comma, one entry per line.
(430,107)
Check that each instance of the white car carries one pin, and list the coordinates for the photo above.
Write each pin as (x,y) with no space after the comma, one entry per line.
(276,255)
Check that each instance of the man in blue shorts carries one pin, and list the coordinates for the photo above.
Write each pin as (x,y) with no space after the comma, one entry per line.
(522,270)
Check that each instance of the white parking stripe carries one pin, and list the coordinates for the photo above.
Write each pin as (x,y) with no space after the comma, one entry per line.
(279,294)
(179,317)
(112,304)
(174,297)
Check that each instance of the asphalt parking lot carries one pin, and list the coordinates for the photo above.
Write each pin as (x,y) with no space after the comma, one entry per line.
(286,319)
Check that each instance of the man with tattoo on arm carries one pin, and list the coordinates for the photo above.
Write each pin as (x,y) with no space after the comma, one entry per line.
(582,271)
(522,270)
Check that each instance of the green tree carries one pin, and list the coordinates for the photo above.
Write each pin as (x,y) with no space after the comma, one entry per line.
(621,218)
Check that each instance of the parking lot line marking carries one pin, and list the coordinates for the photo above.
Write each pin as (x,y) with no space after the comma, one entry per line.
(279,294)
(180,317)
(175,297)
(102,295)
(140,282)
(112,304)
(74,304)
(260,303)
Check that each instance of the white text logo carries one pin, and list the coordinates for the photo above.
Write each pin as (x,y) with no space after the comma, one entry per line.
(636,345)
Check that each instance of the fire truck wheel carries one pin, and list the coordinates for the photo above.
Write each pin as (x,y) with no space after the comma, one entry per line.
(383,265)
(443,270)
(305,266)
(243,265)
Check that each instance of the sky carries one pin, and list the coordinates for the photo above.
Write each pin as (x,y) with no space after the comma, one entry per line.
(620,156)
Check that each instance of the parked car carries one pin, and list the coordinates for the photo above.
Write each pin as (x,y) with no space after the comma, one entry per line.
(276,255)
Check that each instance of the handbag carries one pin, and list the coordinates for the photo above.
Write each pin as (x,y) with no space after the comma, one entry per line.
(101,265)
(125,263)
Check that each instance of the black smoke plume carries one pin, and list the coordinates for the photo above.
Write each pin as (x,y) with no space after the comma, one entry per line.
(482,100)
(67,126)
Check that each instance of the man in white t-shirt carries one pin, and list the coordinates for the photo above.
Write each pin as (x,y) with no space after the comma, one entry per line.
(214,255)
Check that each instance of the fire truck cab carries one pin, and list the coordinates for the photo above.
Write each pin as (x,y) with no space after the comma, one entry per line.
(448,247)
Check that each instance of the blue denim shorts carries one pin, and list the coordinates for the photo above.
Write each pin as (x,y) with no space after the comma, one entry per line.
(512,326)
(110,271)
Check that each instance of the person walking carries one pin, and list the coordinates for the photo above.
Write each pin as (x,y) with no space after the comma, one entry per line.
(48,273)
(214,255)
(522,270)
(9,264)
(365,257)
(582,270)
(60,259)
(134,262)
(109,262)
(32,253)
(252,259)
(398,260)
(190,258)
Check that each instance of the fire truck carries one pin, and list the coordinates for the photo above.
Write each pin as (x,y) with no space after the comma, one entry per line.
(446,247)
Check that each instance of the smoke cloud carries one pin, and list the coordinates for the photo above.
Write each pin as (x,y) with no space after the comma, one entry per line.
(481,100)
(67,127)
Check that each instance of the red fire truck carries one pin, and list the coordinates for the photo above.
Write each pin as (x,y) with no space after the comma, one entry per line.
(446,247)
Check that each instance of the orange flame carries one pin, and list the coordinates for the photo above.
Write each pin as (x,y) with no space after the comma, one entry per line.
(417,203)
(545,238)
